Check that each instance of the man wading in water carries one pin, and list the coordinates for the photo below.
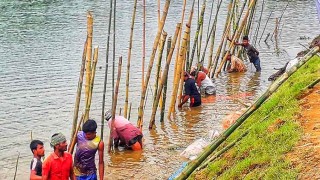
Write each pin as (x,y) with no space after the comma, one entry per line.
(191,92)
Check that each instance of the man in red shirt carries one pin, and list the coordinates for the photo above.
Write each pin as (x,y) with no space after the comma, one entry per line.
(58,165)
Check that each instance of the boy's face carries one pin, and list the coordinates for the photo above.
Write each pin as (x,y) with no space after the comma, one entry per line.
(245,42)
(39,151)
(90,135)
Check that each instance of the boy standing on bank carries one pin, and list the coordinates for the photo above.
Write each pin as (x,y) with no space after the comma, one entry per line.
(252,53)
(37,150)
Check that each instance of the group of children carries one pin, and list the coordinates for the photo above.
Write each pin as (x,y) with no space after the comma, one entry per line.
(59,165)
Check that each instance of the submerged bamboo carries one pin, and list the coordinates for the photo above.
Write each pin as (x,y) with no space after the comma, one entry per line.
(155,46)
(191,166)
(165,73)
(106,71)
(78,97)
(129,59)
(114,105)
(88,58)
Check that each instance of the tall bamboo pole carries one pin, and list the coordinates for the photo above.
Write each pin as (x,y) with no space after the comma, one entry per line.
(155,46)
(143,43)
(236,36)
(180,87)
(159,12)
(129,113)
(162,43)
(164,92)
(200,22)
(78,97)
(88,58)
(258,26)
(129,59)
(114,49)
(114,105)
(276,33)
(180,60)
(106,71)
(165,73)
(189,22)
(191,166)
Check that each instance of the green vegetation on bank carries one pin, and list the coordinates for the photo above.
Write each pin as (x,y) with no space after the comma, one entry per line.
(273,131)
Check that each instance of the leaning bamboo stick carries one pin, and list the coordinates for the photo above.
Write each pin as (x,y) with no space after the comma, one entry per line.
(164,92)
(17,163)
(74,137)
(165,73)
(155,46)
(129,59)
(88,57)
(78,97)
(106,71)
(114,105)
(158,12)
(180,60)
(94,65)
(191,166)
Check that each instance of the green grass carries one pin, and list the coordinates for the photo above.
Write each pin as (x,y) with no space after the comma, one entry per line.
(273,132)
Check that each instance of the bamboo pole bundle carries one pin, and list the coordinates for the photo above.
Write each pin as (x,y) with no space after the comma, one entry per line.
(191,166)
(236,36)
(179,37)
(78,97)
(213,35)
(155,46)
(165,74)
(225,33)
(200,23)
(114,105)
(143,43)
(180,60)
(106,72)
(88,58)
(162,43)
(94,65)
(129,59)
(164,92)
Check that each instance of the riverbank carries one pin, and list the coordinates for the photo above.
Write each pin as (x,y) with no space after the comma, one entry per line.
(274,130)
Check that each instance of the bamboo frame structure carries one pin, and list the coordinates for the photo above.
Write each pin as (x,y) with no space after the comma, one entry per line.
(164,74)
(191,166)
(114,105)
(88,58)
(180,61)
(129,59)
(78,97)
(155,46)
(106,71)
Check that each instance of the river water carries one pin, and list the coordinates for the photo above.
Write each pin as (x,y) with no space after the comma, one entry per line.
(41,45)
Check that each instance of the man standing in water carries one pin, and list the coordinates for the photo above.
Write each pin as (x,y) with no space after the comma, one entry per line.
(88,143)
(236,64)
(58,165)
(124,133)
(252,53)
(191,92)
(37,150)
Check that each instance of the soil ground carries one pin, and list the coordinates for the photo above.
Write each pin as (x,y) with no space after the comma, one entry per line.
(306,154)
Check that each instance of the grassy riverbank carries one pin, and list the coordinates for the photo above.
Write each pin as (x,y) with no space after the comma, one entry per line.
(273,132)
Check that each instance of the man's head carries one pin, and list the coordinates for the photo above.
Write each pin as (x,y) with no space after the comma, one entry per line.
(245,40)
(108,115)
(186,76)
(59,142)
(90,129)
(193,70)
(36,147)
(228,55)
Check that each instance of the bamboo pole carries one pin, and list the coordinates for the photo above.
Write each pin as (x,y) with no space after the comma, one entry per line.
(259,23)
(88,58)
(129,113)
(179,37)
(159,12)
(17,163)
(155,46)
(129,59)
(210,17)
(236,36)
(114,105)
(165,73)
(159,80)
(94,65)
(164,92)
(276,33)
(73,139)
(191,166)
(180,60)
(78,97)
(106,72)
(249,22)
(200,22)
(180,87)
(114,49)
(189,22)
(265,26)
(143,43)
(162,43)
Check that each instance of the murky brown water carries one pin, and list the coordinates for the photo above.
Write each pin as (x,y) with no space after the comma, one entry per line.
(40,54)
